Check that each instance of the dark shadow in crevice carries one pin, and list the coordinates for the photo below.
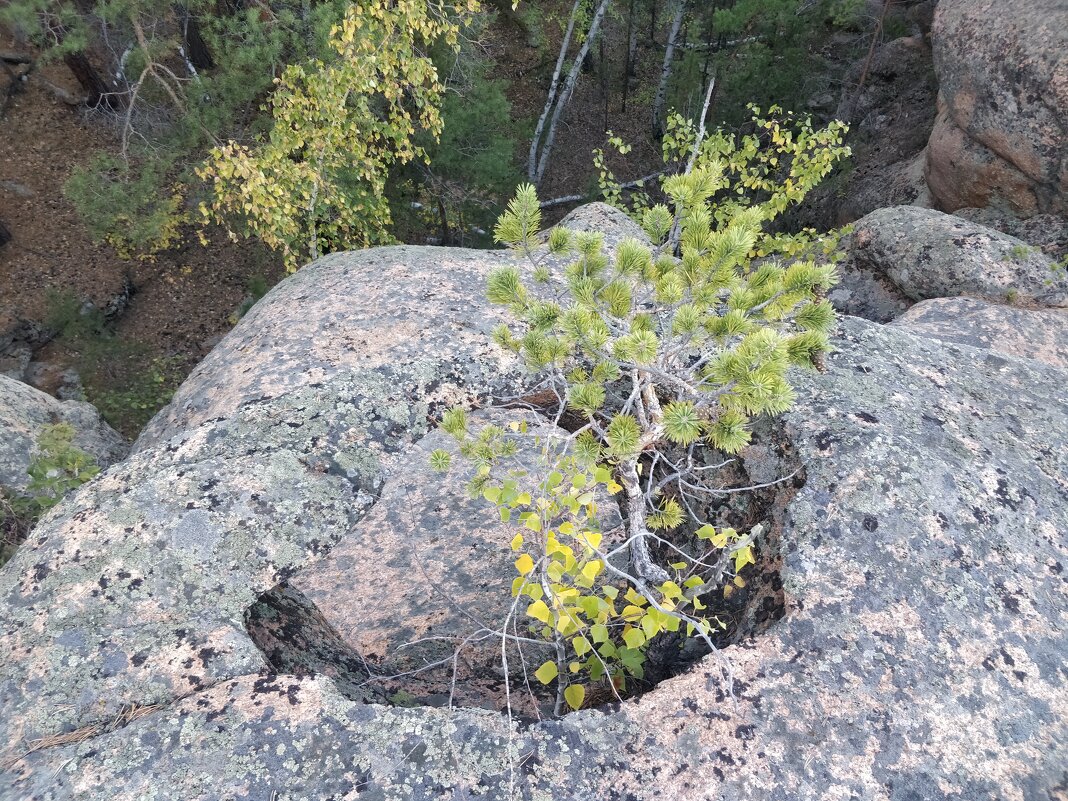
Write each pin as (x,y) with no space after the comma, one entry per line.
(296,639)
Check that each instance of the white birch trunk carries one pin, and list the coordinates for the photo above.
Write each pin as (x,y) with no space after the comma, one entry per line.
(569,87)
(665,72)
(532,159)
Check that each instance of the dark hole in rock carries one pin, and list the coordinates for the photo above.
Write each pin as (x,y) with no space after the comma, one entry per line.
(296,637)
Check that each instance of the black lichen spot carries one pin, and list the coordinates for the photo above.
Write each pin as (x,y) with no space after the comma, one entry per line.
(866,417)
(745,732)
(871,523)
(139,658)
(1004,495)
(206,654)
(40,572)
(824,440)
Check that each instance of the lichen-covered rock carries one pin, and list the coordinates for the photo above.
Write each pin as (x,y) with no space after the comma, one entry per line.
(442,575)
(1001,137)
(863,291)
(419,309)
(921,654)
(1025,333)
(928,254)
(24,411)
(1047,232)
(892,116)
(607,220)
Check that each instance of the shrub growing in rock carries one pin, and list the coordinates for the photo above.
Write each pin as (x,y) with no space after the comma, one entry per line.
(658,355)
(58,467)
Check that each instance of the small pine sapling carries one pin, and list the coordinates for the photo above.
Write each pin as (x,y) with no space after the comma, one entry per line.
(662,350)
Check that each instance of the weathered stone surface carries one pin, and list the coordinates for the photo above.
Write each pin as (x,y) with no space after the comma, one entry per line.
(1026,333)
(928,254)
(421,310)
(921,655)
(866,292)
(24,411)
(607,220)
(1001,137)
(891,120)
(1047,232)
(442,577)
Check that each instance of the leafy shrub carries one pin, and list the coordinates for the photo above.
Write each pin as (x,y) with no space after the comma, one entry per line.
(664,353)
(57,467)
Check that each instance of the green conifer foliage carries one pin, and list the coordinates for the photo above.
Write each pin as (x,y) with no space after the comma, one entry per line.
(662,350)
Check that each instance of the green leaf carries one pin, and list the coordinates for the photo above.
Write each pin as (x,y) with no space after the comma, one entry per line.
(634,638)
(574,695)
(547,672)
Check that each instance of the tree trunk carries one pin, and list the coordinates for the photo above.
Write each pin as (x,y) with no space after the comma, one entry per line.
(196,49)
(569,87)
(554,85)
(97,92)
(665,72)
(632,47)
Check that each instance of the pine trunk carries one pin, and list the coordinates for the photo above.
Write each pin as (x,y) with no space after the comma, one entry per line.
(97,92)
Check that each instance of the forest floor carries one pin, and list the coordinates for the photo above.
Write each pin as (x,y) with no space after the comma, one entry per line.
(180,302)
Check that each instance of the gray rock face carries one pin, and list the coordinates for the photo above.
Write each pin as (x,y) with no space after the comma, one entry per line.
(928,254)
(893,117)
(920,656)
(1024,333)
(24,411)
(442,579)
(418,310)
(1001,137)
(864,291)
(1047,232)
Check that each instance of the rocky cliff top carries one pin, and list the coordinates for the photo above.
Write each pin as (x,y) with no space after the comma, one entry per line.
(912,644)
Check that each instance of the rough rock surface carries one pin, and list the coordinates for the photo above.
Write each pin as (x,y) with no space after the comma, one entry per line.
(1026,333)
(1001,136)
(443,575)
(24,411)
(1047,232)
(416,310)
(921,654)
(892,118)
(864,291)
(928,254)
